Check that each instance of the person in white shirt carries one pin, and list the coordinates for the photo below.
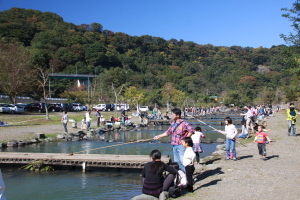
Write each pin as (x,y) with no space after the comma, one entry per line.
(231,133)
(88,120)
(248,118)
(244,133)
(188,162)
(65,121)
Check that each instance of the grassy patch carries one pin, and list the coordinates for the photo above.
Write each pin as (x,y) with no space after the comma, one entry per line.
(51,135)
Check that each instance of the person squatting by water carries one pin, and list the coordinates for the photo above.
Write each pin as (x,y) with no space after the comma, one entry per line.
(154,183)
(179,129)
(231,133)
(244,133)
(262,138)
(196,137)
(291,118)
(180,179)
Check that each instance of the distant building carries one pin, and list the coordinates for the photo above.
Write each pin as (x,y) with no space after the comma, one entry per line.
(217,98)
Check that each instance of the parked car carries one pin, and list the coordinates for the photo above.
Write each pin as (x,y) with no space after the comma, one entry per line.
(35,107)
(109,107)
(4,108)
(119,107)
(78,107)
(16,108)
(54,107)
(69,106)
(58,107)
(144,108)
(100,107)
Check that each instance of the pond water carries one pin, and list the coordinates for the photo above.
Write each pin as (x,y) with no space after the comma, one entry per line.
(96,184)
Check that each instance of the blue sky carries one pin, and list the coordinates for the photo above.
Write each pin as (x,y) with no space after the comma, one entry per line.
(252,23)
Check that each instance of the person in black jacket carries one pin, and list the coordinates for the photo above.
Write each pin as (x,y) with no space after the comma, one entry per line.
(154,182)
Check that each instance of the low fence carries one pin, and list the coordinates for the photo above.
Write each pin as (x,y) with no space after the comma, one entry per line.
(5,99)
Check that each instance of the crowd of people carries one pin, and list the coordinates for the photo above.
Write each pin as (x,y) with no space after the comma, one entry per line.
(186,144)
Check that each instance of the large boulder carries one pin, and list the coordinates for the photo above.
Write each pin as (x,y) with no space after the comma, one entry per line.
(220,147)
(40,135)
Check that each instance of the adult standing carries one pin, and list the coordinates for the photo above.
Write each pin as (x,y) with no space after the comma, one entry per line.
(292,115)
(88,120)
(179,129)
(98,116)
(65,121)
(123,115)
(248,118)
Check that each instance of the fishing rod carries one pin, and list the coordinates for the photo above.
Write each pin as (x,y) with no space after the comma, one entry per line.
(212,127)
(112,146)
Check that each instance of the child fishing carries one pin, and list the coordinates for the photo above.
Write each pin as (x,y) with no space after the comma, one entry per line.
(231,133)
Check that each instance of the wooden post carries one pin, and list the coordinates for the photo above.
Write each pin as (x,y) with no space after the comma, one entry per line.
(83,166)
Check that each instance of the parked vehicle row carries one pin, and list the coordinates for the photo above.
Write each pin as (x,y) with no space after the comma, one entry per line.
(111,107)
(40,107)
(11,108)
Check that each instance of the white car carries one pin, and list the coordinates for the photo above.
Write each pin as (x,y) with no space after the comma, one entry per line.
(4,108)
(100,107)
(144,108)
(16,108)
(78,107)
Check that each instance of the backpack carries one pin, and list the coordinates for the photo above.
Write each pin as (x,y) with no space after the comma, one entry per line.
(174,191)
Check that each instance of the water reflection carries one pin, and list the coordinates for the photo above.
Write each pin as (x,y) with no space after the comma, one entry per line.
(102,183)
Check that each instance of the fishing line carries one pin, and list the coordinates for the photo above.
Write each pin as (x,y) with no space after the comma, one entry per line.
(112,146)
(212,128)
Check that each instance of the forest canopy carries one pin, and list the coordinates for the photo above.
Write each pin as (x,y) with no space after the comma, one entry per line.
(238,75)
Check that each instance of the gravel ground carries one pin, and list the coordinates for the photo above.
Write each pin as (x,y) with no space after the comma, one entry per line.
(18,131)
(250,177)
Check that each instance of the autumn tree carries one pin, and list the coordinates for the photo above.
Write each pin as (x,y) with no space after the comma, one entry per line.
(171,95)
(16,72)
(134,96)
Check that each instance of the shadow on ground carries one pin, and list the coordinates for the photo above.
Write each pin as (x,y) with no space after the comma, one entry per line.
(244,157)
(273,156)
(204,175)
(212,161)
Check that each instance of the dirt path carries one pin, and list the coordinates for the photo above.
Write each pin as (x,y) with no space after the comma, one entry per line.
(252,178)
(24,132)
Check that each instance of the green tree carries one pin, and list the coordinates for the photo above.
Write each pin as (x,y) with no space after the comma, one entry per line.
(293,38)
(134,96)
(171,95)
